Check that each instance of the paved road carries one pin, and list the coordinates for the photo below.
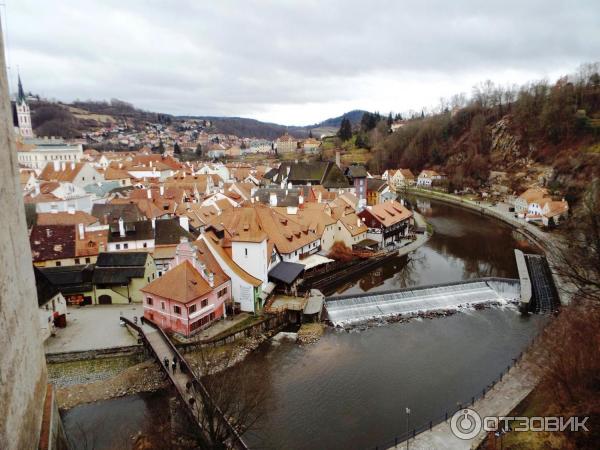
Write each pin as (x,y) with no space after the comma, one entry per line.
(94,327)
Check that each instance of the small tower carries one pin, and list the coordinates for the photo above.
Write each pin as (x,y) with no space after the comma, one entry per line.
(23,113)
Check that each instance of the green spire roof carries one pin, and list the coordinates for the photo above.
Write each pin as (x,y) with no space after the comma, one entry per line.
(21,93)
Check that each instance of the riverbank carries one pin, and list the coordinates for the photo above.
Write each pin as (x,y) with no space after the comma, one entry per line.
(89,381)
(547,242)
(508,392)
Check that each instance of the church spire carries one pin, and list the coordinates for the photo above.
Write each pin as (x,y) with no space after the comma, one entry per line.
(21,93)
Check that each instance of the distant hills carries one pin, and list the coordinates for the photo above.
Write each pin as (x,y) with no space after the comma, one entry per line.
(244,127)
(69,120)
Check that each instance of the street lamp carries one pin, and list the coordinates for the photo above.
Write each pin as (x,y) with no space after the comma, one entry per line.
(407,427)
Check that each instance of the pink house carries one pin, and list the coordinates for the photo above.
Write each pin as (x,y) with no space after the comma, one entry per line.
(190,295)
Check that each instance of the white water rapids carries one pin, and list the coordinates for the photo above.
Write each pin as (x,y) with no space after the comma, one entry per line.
(410,301)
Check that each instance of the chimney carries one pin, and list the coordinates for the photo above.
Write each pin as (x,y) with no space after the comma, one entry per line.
(338,159)
(184,222)
(149,194)
(81,231)
(161,189)
(121,227)
(273,199)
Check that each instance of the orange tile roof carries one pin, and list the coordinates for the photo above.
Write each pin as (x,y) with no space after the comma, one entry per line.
(183,284)
(390,212)
(64,218)
(211,240)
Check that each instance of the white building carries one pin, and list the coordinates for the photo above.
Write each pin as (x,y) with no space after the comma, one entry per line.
(428,177)
(36,153)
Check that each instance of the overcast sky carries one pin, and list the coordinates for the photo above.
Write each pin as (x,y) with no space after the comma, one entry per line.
(291,62)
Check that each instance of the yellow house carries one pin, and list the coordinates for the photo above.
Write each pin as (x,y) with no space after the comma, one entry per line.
(118,277)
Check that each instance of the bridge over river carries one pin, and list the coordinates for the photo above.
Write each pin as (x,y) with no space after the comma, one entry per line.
(190,389)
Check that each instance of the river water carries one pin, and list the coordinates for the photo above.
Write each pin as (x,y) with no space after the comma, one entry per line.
(350,389)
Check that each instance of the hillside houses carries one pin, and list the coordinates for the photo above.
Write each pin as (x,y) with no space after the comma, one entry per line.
(536,205)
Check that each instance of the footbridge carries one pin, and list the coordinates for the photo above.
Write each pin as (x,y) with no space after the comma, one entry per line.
(189,388)
(347,309)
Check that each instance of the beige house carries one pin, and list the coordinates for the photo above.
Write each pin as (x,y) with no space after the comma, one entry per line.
(286,144)
(351,230)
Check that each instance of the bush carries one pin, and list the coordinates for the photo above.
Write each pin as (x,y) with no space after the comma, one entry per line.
(340,252)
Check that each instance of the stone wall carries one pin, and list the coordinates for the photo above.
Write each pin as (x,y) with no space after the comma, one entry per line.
(22,365)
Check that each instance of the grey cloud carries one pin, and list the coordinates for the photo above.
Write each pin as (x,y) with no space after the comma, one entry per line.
(242,57)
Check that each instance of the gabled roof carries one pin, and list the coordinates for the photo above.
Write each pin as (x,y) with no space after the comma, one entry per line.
(45,289)
(122,259)
(134,231)
(65,218)
(68,172)
(388,213)
(286,272)
(169,231)
(213,245)
(183,284)
(110,212)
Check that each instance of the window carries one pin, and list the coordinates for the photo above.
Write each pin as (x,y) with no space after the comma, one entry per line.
(118,246)
(222,292)
(149,301)
(192,309)
(204,303)
(58,263)
(145,245)
(148,279)
(162,305)
(177,309)
(125,246)
(245,252)
(88,260)
(77,261)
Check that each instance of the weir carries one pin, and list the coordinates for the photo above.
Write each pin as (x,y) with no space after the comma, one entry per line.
(348,309)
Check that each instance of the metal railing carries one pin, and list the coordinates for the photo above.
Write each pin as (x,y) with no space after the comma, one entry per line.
(238,442)
(411,433)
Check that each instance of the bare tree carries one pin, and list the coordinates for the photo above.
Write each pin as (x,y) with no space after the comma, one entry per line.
(228,401)
(577,254)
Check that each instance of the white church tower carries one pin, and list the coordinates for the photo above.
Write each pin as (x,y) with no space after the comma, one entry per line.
(23,113)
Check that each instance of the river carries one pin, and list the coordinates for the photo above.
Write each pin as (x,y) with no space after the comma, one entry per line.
(350,390)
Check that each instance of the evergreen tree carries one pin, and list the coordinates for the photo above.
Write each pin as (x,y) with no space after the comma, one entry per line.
(310,135)
(161,147)
(390,120)
(345,131)
(177,149)
(199,150)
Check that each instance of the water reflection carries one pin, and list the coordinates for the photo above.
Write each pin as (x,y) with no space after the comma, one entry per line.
(465,245)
